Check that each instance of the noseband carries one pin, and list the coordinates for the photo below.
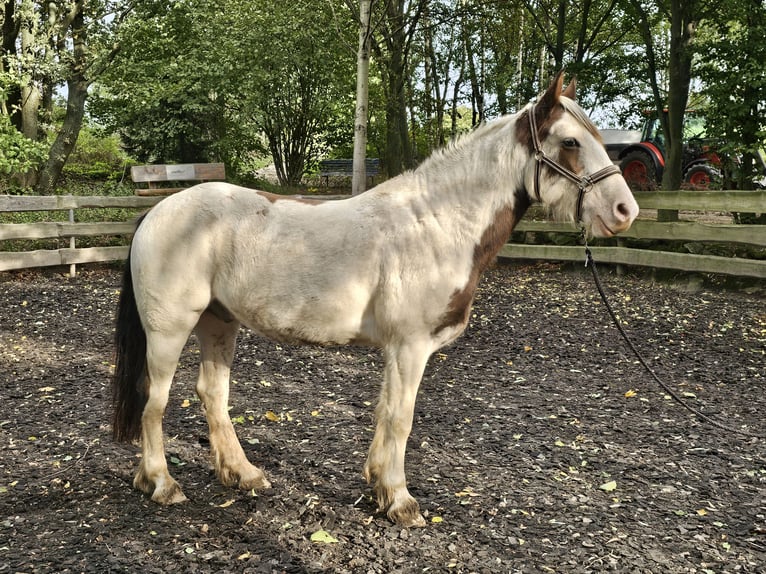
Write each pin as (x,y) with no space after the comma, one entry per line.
(584,183)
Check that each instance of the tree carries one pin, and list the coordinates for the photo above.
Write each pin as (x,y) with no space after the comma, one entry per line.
(298,80)
(680,17)
(732,58)
(44,45)
(392,44)
(204,80)
(161,94)
(359,179)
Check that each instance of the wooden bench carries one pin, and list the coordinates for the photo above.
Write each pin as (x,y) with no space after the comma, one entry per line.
(345,168)
(147,177)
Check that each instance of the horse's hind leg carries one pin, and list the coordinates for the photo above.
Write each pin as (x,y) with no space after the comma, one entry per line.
(153,478)
(217,337)
(404,366)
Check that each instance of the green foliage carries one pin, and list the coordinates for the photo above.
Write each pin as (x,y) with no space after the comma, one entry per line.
(97,156)
(199,80)
(732,58)
(157,101)
(18,154)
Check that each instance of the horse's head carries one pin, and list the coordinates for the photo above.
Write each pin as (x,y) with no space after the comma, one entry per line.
(569,170)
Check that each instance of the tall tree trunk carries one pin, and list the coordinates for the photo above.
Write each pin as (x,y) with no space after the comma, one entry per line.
(359,176)
(398,153)
(11,100)
(475,78)
(77,85)
(397,28)
(679,75)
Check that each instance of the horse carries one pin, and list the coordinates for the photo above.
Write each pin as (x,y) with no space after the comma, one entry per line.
(395,267)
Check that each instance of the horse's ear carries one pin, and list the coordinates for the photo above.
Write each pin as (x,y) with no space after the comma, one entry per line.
(551,96)
(569,91)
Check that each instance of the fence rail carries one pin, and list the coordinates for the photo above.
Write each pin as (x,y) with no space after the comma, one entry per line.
(70,230)
(682,231)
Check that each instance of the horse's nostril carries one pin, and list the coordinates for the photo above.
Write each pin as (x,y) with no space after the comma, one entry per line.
(623,211)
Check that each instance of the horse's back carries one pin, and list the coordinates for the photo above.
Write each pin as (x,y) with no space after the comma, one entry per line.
(291,269)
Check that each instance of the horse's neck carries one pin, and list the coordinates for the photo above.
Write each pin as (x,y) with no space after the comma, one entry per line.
(477,186)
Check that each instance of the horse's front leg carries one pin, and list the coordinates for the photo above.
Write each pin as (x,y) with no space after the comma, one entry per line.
(217,339)
(404,366)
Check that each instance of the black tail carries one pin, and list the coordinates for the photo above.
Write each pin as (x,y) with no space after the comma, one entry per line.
(129,391)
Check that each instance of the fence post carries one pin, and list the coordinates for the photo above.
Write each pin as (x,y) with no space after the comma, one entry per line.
(72,267)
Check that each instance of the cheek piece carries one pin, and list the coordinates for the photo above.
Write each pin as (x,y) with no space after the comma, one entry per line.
(584,183)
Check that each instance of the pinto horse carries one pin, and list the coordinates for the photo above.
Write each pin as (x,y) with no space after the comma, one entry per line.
(396,267)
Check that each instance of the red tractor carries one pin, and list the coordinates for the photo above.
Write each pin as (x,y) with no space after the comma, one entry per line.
(642,163)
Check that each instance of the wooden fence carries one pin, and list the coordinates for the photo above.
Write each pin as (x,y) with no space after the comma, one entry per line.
(70,230)
(681,231)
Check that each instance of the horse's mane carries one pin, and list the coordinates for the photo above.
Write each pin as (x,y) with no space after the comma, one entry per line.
(579,114)
(454,147)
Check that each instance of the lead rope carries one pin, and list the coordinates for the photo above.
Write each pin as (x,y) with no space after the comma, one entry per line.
(589,262)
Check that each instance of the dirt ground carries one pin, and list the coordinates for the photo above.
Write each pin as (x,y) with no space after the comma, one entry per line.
(539,445)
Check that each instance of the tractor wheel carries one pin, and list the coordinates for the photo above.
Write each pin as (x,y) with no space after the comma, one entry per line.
(639,172)
(702,176)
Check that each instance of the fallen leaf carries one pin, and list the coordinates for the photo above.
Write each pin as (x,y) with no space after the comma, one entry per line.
(437,519)
(630,393)
(185,404)
(244,556)
(227,503)
(702,512)
(467,491)
(609,486)
(272,416)
(323,537)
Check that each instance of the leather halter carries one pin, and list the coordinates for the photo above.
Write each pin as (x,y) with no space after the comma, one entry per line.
(584,183)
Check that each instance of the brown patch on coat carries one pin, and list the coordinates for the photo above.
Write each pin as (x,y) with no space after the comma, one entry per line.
(274,197)
(570,159)
(545,119)
(493,238)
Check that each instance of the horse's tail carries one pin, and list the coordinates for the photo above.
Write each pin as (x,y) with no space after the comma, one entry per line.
(129,382)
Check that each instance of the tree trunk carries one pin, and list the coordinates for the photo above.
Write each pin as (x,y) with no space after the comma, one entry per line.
(398,156)
(679,76)
(359,177)
(66,139)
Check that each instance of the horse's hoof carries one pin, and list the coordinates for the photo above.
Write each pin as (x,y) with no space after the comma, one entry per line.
(406,514)
(255,482)
(172,494)
(416,521)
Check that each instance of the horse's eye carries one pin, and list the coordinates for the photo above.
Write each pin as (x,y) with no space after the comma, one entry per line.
(570,143)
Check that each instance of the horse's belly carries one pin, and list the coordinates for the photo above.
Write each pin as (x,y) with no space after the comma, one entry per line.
(326,321)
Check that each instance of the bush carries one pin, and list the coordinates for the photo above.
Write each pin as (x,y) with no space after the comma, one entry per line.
(18,154)
(96,157)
